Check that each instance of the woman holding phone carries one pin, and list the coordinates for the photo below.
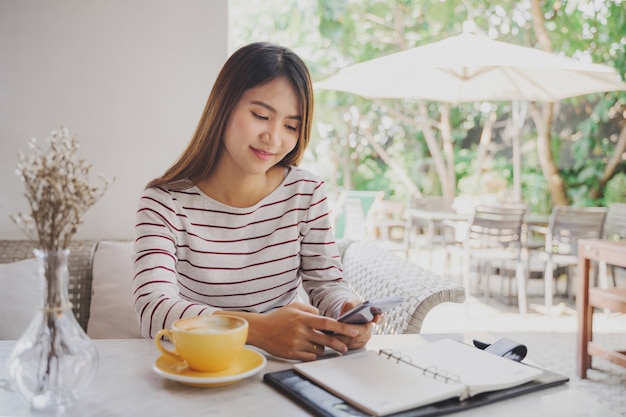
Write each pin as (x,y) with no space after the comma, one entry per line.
(234,226)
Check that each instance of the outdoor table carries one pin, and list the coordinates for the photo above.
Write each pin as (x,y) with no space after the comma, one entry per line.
(434,219)
(125,385)
(613,253)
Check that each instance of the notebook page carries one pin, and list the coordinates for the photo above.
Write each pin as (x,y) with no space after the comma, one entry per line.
(481,371)
(376,384)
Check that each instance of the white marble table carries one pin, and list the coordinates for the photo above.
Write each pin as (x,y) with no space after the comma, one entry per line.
(126,386)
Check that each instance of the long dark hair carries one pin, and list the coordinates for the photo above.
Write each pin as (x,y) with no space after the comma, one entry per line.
(250,66)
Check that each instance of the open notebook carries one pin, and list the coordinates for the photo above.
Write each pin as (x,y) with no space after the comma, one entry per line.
(386,382)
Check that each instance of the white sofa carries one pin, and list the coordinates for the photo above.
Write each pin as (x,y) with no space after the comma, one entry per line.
(101,274)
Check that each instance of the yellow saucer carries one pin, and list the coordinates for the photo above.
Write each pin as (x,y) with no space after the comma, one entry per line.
(247,364)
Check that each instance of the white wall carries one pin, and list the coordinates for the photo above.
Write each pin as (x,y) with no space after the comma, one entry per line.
(129,77)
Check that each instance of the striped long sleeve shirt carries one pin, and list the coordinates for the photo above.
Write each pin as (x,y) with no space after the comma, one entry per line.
(195,255)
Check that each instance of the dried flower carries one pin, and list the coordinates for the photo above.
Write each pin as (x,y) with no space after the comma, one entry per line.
(57,190)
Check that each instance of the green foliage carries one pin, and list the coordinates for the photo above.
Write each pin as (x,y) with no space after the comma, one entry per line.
(332,34)
(579,184)
(370,176)
(535,191)
(615,191)
(463,165)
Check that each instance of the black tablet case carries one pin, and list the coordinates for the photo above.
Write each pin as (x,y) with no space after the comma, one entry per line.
(324,404)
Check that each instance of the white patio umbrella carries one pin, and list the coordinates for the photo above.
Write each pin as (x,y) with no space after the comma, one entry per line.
(470,68)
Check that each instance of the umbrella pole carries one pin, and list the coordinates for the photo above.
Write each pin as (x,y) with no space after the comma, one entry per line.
(518,115)
(517,169)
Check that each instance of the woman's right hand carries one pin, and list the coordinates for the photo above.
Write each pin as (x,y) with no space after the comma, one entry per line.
(296,332)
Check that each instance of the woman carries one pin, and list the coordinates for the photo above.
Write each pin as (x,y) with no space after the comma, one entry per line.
(234,227)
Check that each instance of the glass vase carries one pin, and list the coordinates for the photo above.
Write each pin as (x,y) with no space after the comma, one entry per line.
(54,360)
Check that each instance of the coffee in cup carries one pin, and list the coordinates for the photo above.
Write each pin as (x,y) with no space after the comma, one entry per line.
(206,343)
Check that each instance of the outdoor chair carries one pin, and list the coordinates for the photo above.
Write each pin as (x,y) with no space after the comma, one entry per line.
(389,226)
(493,236)
(428,214)
(614,229)
(352,213)
(567,225)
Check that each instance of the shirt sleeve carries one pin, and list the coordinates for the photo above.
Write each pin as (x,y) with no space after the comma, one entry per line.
(321,270)
(156,294)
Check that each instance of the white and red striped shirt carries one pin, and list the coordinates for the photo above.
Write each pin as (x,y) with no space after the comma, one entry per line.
(195,255)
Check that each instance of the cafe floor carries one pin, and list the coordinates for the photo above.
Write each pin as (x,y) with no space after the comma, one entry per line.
(551,339)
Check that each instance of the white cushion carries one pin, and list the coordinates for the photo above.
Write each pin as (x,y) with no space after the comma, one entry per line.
(112,315)
(19,297)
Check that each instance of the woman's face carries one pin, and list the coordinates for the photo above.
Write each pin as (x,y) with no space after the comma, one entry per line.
(263,128)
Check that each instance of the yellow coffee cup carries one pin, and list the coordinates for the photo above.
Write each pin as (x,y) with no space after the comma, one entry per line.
(205,343)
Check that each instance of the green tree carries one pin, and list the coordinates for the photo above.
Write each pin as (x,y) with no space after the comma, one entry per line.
(580,30)
(359,138)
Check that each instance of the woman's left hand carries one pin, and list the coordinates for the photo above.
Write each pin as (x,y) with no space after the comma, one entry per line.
(365,330)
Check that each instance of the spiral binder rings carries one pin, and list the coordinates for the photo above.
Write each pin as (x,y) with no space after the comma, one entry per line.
(386,382)
(431,370)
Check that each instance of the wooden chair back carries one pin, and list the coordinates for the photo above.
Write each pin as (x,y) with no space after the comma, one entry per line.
(615,222)
(568,224)
(496,226)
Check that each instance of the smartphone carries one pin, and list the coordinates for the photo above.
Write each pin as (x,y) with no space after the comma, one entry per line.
(365,312)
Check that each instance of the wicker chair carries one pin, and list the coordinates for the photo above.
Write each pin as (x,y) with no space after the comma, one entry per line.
(374,273)
(79,266)
(371,271)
